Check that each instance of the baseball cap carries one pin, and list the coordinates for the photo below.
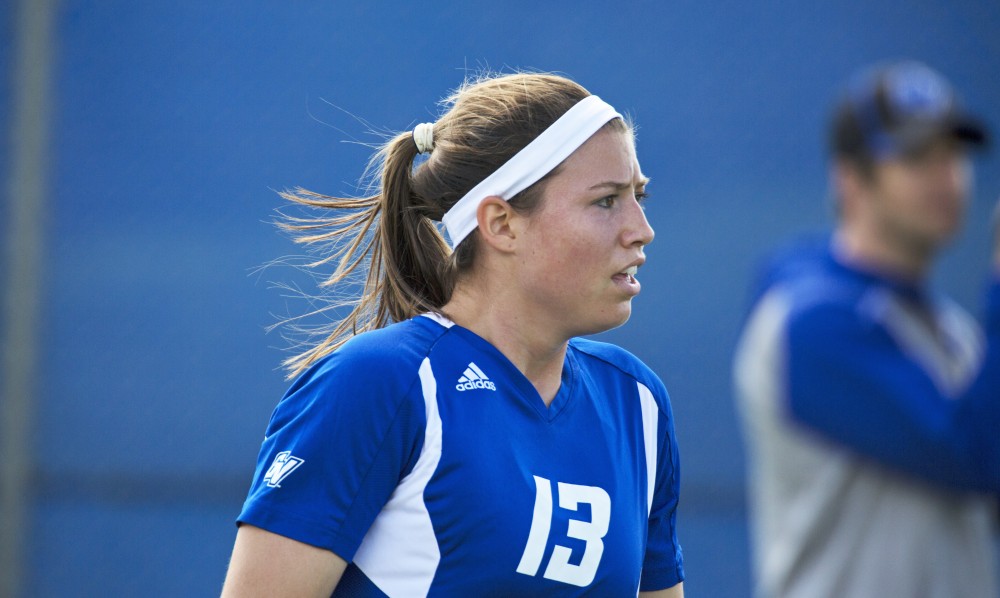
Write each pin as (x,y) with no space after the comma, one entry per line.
(897,108)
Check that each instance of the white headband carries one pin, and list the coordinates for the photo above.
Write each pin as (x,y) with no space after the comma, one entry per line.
(537,159)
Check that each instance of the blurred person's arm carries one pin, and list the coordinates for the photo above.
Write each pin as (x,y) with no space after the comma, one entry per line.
(266,564)
(848,380)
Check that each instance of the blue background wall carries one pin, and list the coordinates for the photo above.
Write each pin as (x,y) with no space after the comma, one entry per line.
(174,122)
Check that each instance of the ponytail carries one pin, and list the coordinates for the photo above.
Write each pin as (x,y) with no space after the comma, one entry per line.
(407,257)
(413,253)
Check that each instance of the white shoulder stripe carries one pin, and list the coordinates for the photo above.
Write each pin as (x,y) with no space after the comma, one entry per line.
(400,553)
(439,319)
(650,422)
(949,349)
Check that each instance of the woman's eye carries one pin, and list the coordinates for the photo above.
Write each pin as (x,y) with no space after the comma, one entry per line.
(641,197)
(607,202)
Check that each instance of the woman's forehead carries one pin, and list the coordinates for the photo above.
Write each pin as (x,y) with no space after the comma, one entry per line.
(607,159)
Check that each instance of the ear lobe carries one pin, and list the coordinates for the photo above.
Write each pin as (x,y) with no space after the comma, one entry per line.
(495,218)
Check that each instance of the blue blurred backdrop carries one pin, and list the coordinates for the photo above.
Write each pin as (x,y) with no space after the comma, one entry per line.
(172,123)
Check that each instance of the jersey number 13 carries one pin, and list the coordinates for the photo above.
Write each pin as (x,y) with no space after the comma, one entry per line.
(591,532)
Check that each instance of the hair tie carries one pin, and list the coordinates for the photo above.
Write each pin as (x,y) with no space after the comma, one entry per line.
(423,137)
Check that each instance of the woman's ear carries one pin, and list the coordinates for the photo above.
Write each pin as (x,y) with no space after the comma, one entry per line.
(496,221)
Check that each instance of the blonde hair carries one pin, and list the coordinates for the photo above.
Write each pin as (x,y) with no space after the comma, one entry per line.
(411,269)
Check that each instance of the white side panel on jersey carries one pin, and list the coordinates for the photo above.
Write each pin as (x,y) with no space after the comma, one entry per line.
(400,554)
(759,363)
(650,419)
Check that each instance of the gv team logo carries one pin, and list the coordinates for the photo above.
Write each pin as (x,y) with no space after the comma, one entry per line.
(284,464)
(474,378)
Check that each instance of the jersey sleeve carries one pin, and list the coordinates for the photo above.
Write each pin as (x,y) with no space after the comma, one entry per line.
(663,565)
(848,380)
(335,449)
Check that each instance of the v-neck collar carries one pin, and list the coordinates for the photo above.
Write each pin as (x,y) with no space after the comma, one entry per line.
(524,388)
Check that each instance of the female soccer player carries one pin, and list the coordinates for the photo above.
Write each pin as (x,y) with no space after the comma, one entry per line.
(453,437)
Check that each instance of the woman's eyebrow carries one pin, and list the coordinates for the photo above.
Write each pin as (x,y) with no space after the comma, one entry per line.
(620,185)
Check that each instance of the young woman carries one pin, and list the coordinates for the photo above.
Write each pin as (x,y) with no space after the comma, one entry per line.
(452,436)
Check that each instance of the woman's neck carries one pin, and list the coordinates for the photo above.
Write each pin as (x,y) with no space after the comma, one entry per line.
(532,346)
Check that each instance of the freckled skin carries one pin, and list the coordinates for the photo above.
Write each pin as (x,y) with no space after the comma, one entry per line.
(584,235)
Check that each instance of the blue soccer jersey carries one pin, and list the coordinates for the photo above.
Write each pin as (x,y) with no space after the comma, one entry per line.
(423,457)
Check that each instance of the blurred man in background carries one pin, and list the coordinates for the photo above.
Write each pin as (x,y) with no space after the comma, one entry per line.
(871,404)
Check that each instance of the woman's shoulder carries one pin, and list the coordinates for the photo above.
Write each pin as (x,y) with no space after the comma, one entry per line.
(410,339)
(389,355)
(369,378)
(607,355)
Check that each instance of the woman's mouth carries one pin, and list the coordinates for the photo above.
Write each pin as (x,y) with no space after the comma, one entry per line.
(626,280)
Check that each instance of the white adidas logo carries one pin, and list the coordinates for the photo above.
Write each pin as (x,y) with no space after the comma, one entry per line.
(473,378)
